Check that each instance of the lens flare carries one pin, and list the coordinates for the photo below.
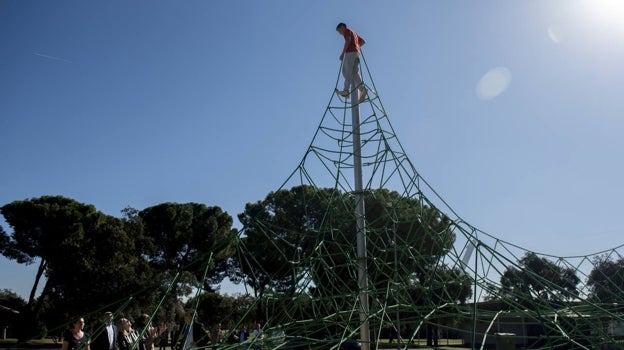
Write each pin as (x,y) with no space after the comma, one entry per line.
(493,83)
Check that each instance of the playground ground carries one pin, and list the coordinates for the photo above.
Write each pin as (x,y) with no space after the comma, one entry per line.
(48,344)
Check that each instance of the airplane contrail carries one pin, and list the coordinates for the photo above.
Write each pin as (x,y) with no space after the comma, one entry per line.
(52,57)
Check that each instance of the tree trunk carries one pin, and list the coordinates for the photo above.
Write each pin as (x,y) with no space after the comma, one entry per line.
(259,305)
(39,304)
(31,326)
(42,266)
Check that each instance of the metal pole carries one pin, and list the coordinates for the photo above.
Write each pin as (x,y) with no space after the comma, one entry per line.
(396,278)
(474,301)
(360,221)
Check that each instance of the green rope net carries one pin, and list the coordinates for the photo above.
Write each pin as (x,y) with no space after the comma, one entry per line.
(431,275)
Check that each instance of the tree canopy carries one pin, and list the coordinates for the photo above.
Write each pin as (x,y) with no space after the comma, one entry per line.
(307,232)
(606,280)
(539,279)
(45,229)
(297,251)
(188,237)
(89,260)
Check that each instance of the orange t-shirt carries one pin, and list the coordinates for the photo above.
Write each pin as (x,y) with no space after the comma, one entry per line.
(356,41)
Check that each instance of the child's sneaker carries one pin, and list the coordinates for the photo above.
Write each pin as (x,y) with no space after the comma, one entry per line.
(342,93)
(363,93)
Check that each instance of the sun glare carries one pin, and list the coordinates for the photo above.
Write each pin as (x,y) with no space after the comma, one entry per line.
(607,12)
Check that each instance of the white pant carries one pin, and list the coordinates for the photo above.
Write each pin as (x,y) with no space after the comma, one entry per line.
(351,71)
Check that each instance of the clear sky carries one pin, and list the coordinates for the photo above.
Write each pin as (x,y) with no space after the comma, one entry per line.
(134,103)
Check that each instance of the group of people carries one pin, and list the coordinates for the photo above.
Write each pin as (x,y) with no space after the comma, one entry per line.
(123,335)
(244,338)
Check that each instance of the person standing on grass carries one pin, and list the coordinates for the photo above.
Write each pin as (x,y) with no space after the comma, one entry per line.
(257,337)
(193,334)
(164,337)
(242,338)
(107,339)
(350,58)
(127,337)
(75,338)
(175,333)
(148,334)
(218,334)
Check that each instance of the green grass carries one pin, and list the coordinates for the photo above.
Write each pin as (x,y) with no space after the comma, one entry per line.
(45,343)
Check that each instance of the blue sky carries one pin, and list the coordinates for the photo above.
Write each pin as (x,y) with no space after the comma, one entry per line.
(136,103)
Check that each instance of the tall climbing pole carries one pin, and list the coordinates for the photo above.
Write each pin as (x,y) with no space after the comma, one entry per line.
(360,220)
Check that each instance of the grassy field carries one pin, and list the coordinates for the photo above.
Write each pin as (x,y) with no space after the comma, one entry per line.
(383,343)
(49,344)
(31,344)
